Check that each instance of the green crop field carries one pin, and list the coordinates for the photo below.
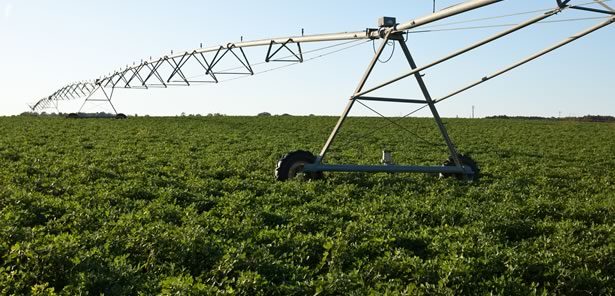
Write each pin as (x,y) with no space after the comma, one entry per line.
(190,206)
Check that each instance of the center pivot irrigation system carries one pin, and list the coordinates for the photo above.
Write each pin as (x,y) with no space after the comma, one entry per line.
(171,71)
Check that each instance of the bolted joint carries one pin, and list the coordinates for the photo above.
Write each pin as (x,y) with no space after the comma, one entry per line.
(562,3)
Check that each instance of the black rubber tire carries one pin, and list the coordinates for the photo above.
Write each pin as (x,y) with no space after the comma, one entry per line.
(291,166)
(465,161)
(121,116)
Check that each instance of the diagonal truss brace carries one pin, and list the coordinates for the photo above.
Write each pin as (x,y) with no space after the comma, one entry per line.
(360,94)
(222,52)
(153,68)
(397,37)
(298,55)
(108,97)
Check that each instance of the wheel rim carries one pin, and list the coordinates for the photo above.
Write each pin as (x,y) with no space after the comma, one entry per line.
(467,163)
(296,169)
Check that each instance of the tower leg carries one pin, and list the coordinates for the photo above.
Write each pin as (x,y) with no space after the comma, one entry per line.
(352,100)
(108,97)
(432,105)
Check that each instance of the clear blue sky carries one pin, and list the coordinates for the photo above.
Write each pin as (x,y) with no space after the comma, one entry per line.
(46,44)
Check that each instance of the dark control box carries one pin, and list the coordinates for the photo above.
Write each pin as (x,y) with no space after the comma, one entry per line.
(386,21)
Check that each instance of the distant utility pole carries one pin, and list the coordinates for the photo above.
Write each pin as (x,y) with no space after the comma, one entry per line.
(473,107)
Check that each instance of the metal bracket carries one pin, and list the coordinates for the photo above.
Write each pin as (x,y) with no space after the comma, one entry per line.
(154,73)
(177,69)
(225,50)
(136,74)
(195,56)
(562,3)
(298,56)
(371,33)
(609,11)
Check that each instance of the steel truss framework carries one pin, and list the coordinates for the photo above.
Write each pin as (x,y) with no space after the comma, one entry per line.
(459,168)
(170,71)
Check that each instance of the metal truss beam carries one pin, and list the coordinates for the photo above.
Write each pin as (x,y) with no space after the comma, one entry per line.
(359,94)
(298,55)
(150,73)
(530,58)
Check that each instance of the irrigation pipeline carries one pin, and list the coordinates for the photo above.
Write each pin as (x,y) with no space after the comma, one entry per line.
(132,74)
(353,44)
(356,43)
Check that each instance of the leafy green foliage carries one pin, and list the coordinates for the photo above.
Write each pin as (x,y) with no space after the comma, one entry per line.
(189,206)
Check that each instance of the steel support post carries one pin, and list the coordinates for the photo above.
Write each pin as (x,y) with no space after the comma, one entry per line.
(432,105)
(352,100)
(108,97)
(55,105)
(88,98)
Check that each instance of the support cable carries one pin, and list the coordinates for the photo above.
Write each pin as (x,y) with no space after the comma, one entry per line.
(285,57)
(509,25)
(358,42)
(390,122)
(306,60)
(393,122)
(502,16)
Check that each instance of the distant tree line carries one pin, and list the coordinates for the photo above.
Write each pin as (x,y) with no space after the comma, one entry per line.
(60,114)
(586,118)
(267,114)
(76,115)
(43,114)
